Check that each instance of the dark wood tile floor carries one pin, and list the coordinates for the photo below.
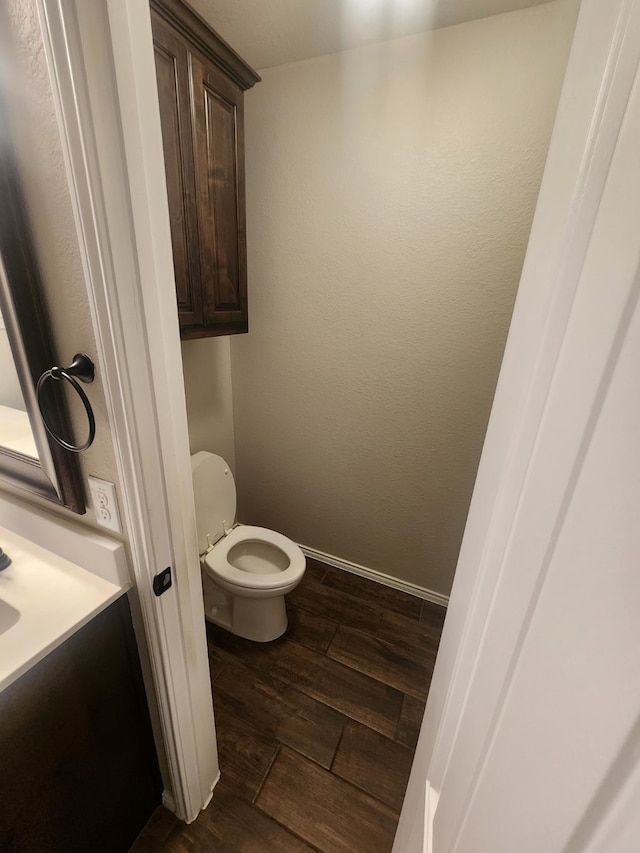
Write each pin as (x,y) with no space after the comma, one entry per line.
(316,731)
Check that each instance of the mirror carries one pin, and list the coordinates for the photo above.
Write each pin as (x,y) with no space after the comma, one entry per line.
(29,457)
(15,429)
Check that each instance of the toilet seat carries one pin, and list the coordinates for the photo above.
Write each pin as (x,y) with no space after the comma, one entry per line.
(221,569)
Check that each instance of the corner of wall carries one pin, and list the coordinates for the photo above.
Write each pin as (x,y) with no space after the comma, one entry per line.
(206,364)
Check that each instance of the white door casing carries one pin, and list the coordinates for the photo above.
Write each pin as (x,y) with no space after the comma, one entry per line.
(100,57)
(511,767)
(569,696)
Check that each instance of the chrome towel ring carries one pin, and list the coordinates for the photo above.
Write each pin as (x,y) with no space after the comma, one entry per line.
(80,368)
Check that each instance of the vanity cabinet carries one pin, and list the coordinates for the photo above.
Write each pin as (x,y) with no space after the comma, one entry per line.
(78,766)
(201,85)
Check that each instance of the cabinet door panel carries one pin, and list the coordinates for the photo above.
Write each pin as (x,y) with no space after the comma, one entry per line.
(172,72)
(78,767)
(219,153)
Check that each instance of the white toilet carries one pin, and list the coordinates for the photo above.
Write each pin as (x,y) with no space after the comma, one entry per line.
(246,571)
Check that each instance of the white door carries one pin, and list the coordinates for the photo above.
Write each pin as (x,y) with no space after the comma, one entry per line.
(531,739)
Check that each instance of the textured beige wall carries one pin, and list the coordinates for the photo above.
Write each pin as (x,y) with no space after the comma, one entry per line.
(206,367)
(390,195)
(39,149)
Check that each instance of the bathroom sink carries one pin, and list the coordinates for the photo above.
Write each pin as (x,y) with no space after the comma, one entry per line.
(8,616)
(45,598)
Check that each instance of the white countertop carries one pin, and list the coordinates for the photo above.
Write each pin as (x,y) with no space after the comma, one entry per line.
(44,598)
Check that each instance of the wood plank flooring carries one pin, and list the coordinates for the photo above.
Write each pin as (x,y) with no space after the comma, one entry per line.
(316,731)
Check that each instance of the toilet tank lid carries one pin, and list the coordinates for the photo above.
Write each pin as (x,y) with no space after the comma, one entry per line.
(215,495)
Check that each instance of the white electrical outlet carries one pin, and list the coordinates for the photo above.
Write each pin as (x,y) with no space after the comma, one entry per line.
(103,495)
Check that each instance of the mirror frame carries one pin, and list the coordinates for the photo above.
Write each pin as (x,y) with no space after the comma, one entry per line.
(56,474)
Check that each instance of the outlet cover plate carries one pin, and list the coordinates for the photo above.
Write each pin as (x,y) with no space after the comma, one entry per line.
(105,504)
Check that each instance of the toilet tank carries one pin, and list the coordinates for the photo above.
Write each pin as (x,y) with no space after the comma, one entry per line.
(215,496)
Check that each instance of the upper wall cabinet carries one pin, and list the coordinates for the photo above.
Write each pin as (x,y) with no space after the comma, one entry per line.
(201,85)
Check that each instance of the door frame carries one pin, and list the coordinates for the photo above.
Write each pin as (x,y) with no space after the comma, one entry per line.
(100,58)
(602,66)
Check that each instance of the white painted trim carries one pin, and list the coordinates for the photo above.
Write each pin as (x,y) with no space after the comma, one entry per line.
(101,61)
(378,577)
(430,804)
(600,73)
(168,802)
(602,315)
(599,78)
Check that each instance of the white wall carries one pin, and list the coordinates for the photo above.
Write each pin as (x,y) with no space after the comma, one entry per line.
(390,191)
(206,367)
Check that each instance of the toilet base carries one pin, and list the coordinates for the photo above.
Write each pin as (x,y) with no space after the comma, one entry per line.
(259,619)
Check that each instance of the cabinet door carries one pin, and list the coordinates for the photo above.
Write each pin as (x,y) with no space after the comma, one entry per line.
(172,72)
(78,767)
(219,157)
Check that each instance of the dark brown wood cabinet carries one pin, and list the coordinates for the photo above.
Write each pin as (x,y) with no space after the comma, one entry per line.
(201,85)
(78,766)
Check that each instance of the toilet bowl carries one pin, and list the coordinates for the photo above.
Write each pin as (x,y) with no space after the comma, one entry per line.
(246,571)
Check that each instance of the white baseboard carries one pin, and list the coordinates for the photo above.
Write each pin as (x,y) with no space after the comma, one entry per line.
(168,802)
(379,577)
(430,803)
(210,797)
